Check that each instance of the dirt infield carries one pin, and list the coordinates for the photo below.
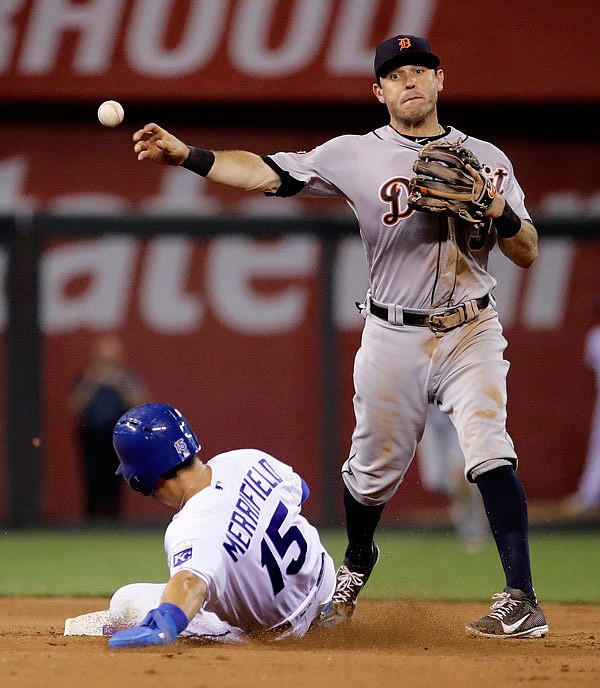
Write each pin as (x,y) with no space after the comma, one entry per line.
(400,643)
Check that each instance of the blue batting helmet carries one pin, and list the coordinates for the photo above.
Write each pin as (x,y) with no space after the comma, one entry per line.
(150,440)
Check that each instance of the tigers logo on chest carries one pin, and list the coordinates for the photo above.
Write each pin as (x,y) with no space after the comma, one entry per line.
(394,192)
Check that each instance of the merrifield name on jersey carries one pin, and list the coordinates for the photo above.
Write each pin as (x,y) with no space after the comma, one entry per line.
(257,485)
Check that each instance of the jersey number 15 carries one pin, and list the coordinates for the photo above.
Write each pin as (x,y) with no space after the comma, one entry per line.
(281,542)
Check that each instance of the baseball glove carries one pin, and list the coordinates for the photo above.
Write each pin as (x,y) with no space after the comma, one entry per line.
(444,185)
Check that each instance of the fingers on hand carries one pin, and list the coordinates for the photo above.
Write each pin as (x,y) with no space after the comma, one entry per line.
(148,132)
(472,172)
(144,138)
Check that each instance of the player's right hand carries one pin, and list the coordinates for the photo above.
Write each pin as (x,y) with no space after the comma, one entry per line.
(157,144)
(156,629)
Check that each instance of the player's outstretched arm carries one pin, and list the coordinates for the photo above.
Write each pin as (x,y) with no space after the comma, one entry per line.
(240,169)
(243,170)
(182,598)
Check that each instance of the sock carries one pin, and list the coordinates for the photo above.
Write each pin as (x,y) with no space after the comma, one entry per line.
(361,522)
(506,508)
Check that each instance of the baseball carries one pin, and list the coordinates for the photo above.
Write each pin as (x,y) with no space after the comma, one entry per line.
(111,113)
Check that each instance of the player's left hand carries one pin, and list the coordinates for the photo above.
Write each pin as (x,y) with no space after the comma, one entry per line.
(449,180)
(156,629)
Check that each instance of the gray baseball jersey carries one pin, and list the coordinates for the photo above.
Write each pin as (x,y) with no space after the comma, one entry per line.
(417,262)
(411,263)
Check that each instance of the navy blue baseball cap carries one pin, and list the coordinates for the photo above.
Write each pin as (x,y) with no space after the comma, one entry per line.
(402,50)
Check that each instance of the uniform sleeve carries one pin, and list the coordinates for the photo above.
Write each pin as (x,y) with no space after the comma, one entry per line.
(513,193)
(305,491)
(293,483)
(323,169)
(516,198)
(200,555)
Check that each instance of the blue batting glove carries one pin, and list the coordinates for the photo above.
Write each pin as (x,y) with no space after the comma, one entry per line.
(138,637)
(161,626)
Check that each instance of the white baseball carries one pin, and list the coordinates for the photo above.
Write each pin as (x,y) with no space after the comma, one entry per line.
(111,113)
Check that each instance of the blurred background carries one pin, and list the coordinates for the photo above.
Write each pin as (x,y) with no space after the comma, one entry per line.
(237,308)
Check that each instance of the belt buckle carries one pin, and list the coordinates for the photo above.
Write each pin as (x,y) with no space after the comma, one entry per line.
(436,322)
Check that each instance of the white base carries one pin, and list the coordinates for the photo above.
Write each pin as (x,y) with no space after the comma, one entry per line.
(94,623)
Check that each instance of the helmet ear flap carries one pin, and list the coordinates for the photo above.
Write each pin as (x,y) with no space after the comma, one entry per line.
(136,484)
(150,440)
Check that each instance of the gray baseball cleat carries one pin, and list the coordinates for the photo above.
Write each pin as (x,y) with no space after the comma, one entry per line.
(350,580)
(513,616)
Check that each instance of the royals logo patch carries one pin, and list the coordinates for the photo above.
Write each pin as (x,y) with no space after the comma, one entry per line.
(182,554)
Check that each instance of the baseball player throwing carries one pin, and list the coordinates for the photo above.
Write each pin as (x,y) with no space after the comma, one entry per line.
(242,558)
(431,203)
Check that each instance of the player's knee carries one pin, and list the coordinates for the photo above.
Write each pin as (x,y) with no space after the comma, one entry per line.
(130,604)
(485,467)
(370,495)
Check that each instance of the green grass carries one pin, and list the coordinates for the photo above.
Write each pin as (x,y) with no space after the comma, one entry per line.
(426,566)
(436,567)
(80,562)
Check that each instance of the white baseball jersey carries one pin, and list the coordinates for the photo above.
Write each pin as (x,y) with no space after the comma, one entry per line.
(244,535)
(416,260)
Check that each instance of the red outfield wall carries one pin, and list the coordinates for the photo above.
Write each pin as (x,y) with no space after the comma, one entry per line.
(228,330)
(242,385)
(292,50)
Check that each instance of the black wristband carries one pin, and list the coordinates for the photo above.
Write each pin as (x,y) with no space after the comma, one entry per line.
(508,224)
(199,161)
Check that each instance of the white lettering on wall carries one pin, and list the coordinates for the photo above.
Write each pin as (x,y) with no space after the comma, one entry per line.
(106,269)
(203,31)
(352,51)
(303,37)
(13,173)
(539,294)
(165,305)
(233,265)
(545,301)
(207,28)
(93,203)
(96,23)
(92,284)
(8,32)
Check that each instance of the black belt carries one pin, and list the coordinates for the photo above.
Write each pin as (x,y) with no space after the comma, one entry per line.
(423,319)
